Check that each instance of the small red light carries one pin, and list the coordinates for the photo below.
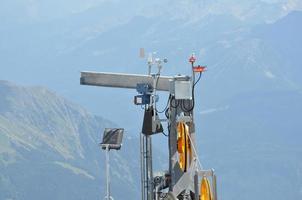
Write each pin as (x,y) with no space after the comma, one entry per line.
(192,59)
(199,68)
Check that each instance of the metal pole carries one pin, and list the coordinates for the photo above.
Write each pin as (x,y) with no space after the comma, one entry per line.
(143,177)
(108,196)
(107,173)
(196,186)
(156,192)
(149,69)
(150,168)
(214,186)
(148,184)
(153,104)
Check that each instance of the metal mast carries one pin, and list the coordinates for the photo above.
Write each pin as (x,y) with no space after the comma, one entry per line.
(182,180)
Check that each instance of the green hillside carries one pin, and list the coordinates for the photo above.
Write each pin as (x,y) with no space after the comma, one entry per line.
(49,149)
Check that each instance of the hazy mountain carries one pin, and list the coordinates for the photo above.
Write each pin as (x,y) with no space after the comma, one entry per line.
(254,143)
(33,11)
(249,100)
(284,37)
(49,149)
(239,59)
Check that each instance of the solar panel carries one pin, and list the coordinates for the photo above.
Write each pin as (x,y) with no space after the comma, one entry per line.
(112,138)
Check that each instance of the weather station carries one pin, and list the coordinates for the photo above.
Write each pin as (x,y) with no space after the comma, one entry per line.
(185,179)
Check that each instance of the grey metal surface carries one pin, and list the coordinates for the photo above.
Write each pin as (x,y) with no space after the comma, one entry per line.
(149,168)
(206,173)
(108,195)
(214,186)
(210,173)
(146,167)
(120,80)
(142,159)
(196,186)
(180,180)
(182,89)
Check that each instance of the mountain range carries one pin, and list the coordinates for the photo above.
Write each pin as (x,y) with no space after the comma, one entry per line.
(49,149)
(248,102)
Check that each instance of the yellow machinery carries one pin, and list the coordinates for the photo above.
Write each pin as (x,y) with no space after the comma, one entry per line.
(185,179)
(205,189)
(183,146)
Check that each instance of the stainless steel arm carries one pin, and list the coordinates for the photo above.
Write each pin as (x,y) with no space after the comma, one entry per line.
(119,80)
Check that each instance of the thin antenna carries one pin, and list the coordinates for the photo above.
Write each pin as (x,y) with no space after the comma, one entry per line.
(142,53)
(150,63)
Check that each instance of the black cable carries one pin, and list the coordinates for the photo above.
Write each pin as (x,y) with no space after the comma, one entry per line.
(175,105)
(183,105)
(193,95)
(164,110)
(166,107)
(197,79)
(167,113)
(164,134)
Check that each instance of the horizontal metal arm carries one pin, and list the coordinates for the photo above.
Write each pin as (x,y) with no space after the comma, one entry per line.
(206,173)
(119,80)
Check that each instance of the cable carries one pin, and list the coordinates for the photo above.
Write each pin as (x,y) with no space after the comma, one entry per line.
(166,107)
(193,95)
(197,79)
(167,113)
(175,105)
(165,134)
(183,105)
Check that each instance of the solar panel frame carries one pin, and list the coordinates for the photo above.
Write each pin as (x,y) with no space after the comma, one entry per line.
(112,138)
